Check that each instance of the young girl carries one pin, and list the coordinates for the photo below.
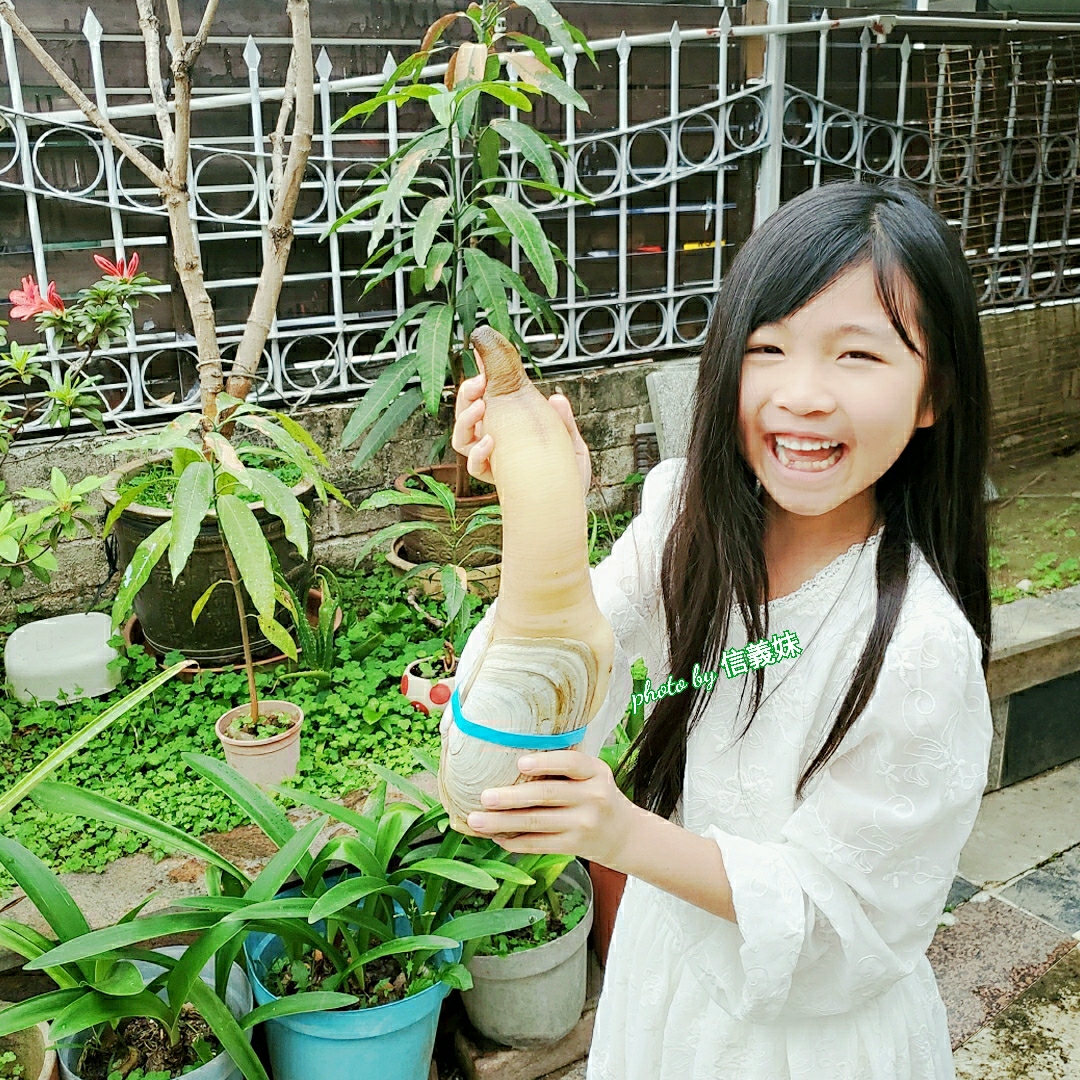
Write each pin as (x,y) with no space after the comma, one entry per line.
(823,548)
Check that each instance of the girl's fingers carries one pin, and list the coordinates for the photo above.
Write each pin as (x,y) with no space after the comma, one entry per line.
(539,793)
(572,764)
(523,821)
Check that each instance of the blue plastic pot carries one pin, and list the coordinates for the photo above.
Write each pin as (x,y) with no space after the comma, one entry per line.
(388,1042)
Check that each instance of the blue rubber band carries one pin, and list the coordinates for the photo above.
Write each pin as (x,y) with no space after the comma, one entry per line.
(519,740)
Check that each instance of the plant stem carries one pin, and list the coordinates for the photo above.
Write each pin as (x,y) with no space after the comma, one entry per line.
(249,665)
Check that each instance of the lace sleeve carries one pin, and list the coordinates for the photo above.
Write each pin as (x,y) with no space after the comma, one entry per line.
(847,902)
(627,589)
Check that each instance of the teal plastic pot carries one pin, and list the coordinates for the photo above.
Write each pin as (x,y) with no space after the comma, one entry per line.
(388,1042)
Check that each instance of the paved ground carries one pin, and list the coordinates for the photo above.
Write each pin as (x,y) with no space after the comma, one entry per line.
(1007,957)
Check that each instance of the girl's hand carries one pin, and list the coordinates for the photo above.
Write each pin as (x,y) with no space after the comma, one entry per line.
(468,437)
(576,810)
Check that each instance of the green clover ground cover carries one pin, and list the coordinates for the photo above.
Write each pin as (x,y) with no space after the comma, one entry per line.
(362,716)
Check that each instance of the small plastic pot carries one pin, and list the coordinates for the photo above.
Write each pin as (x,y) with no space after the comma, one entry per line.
(263,761)
(608,886)
(237,998)
(536,996)
(426,695)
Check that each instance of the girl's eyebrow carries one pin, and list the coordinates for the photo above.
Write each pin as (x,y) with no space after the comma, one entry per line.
(859,330)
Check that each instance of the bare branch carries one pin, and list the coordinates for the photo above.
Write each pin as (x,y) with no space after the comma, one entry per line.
(195,46)
(286,194)
(277,139)
(158,177)
(151,32)
(176,27)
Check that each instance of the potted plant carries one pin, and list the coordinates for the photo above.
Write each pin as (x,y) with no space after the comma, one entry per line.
(31,392)
(172,99)
(116,1006)
(215,489)
(528,984)
(358,920)
(608,884)
(450,253)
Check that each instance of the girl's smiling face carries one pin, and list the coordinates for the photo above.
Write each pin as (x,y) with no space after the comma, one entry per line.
(831,395)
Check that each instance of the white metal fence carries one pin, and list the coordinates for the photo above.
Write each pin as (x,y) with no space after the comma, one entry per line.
(678,175)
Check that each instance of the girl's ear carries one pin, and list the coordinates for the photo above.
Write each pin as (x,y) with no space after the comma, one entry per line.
(926,417)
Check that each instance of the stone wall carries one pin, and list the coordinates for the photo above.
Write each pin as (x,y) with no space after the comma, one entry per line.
(607,403)
(1033,357)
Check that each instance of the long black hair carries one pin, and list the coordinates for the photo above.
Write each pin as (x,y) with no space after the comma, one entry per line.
(931,497)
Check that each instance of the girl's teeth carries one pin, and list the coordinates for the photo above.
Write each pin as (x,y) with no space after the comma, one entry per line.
(807,466)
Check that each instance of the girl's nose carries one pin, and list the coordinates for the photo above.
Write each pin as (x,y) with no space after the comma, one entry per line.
(801,387)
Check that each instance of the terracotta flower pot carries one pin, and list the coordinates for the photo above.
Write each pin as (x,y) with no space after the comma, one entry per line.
(263,761)
(426,695)
(428,546)
(608,888)
(483,580)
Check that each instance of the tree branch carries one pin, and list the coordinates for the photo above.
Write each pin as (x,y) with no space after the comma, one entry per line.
(183,61)
(277,139)
(195,46)
(176,27)
(151,32)
(158,177)
(276,257)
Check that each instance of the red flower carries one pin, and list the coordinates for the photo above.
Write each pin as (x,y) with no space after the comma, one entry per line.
(124,270)
(28,301)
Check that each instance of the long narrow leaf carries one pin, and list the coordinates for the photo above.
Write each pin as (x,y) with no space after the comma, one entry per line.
(479,924)
(78,802)
(249,548)
(145,558)
(486,282)
(364,826)
(406,787)
(194,493)
(387,424)
(295,1004)
(433,352)
(70,747)
(224,1025)
(385,389)
(346,893)
(43,888)
(42,1007)
(279,499)
(427,225)
(529,233)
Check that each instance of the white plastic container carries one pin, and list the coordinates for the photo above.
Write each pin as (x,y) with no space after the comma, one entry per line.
(67,655)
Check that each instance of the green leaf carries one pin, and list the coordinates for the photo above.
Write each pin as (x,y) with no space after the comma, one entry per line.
(249,549)
(172,436)
(438,257)
(505,871)
(403,319)
(122,980)
(394,823)
(427,225)
(70,747)
(532,73)
(546,15)
(486,281)
(43,888)
(94,1008)
(223,1024)
(488,152)
(294,1004)
(278,636)
(401,179)
(200,604)
(387,425)
(399,946)
(393,497)
(79,802)
(301,435)
(433,352)
(98,943)
(145,558)
(363,825)
(263,812)
(346,893)
(451,870)
(478,924)
(380,395)
(194,494)
(537,48)
(130,495)
(541,309)
(42,1007)
(530,145)
(528,232)
(406,787)
(279,499)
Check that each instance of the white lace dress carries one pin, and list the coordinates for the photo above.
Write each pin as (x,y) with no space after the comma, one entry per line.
(824,976)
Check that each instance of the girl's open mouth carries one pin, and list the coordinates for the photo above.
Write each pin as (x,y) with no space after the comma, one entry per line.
(805,455)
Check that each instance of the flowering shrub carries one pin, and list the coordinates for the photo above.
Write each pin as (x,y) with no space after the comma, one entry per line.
(31,388)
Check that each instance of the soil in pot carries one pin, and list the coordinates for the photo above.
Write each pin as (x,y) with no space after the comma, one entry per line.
(572,907)
(161,484)
(141,1043)
(385,980)
(267,726)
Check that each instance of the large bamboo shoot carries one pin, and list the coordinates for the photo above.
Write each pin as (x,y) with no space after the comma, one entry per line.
(547,666)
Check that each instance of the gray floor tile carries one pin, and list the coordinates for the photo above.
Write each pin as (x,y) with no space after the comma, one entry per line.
(1052,892)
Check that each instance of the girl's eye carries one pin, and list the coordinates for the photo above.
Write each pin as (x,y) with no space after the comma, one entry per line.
(865,356)
(762,348)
